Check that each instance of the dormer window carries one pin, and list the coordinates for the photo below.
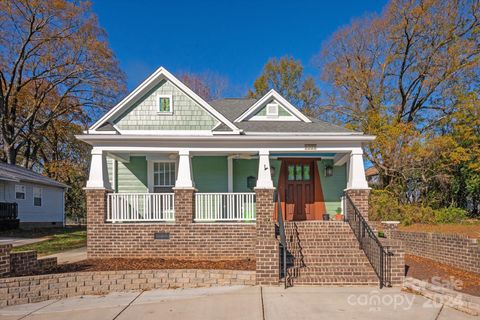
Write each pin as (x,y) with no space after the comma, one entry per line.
(272,110)
(165,104)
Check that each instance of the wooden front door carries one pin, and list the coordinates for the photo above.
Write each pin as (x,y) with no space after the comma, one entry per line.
(299,189)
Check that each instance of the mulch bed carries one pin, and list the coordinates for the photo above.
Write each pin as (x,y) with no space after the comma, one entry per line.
(425,269)
(117,264)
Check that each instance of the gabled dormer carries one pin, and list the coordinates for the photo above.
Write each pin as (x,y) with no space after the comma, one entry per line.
(272,107)
(162,105)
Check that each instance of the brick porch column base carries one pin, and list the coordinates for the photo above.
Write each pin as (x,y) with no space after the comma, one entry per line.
(184,203)
(360,199)
(267,247)
(96,215)
(397,261)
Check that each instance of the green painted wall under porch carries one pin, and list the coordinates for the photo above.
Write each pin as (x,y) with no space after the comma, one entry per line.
(210,175)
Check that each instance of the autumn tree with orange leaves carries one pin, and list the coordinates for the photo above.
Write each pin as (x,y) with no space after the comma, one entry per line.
(410,76)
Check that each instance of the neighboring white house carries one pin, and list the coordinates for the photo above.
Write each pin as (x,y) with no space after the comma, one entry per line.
(40,200)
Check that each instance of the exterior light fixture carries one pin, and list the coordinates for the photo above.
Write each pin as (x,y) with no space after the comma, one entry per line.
(328,171)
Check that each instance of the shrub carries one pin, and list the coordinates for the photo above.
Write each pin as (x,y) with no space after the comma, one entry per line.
(384,206)
(450,215)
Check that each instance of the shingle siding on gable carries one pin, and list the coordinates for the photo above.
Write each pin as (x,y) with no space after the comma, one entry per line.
(187,114)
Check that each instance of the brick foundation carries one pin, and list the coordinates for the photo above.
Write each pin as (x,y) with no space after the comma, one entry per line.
(267,247)
(360,199)
(187,240)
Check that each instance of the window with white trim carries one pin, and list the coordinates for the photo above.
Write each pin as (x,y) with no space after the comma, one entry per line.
(164,176)
(37,196)
(165,104)
(20,192)
(272,110)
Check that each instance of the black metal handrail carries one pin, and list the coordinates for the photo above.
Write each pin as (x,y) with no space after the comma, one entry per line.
(8,211)
(377,254)
(283,238)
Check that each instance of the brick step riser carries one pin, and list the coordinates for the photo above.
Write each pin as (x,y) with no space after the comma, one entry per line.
(337,246)
(339,269)
(325,262)
(326,252)
(304,237)
(333,283)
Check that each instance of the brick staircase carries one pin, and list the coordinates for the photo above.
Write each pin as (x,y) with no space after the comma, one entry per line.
(325,253)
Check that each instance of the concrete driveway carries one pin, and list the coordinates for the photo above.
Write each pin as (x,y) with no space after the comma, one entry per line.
(242,303)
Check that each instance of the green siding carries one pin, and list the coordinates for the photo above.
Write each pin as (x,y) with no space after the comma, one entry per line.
(210,173)
(187,114)
(333,186)
(243,168)
(132,176)
(281,110)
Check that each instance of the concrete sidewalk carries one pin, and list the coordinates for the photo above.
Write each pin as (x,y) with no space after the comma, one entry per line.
(242,303)
(70,256)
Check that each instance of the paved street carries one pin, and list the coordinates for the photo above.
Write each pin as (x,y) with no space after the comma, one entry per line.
(241,303)
(16,242)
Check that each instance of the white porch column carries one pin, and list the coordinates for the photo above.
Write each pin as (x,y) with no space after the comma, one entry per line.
(98,177)
(264,179)
(184,176)
(356,170)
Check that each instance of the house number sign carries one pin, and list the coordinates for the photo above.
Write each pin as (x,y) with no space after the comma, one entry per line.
(310,147)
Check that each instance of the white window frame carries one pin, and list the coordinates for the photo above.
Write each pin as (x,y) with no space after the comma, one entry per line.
(267,109)
(172,180)
(41,196)
(168,96)
(24,191)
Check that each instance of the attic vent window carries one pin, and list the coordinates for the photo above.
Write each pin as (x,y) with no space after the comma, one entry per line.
(272,110)
(165,104)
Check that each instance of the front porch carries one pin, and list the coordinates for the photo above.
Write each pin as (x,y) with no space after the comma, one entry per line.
(310,184)
(218,204)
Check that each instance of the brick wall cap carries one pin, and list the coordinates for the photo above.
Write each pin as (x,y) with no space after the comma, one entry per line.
(262,188)
(353,189)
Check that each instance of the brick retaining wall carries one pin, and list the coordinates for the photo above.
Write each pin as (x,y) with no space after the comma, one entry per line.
(455,250)
(452,249)
(23,262)
(5,259)
(187,240)
(32,289)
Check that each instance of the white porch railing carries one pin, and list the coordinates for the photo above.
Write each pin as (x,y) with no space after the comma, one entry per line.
(225,207)
(140,207)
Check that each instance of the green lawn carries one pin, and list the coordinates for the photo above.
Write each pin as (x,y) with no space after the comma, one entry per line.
(58,242)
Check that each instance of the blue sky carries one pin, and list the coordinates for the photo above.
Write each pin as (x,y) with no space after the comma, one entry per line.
(232,38)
